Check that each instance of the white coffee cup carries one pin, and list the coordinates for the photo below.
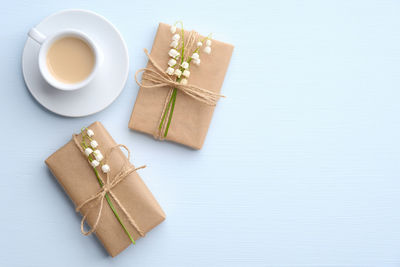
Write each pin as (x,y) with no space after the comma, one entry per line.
(46,42)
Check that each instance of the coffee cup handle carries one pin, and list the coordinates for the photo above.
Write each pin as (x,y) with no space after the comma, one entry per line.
(37,36)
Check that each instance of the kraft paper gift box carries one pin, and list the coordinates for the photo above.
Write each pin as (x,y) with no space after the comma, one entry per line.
(73,171)
(191,118)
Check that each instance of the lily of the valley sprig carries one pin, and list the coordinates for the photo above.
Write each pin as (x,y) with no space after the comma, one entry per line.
(177,66)
(92,152)
(96,159)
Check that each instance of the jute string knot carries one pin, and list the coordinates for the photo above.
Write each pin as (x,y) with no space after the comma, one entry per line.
(158,78)
(109,183)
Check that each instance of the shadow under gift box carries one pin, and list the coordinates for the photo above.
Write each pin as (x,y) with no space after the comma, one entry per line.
(191,118)
(73,171)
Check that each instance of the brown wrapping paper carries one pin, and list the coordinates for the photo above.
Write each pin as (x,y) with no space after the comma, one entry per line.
(72,170)
(191,118)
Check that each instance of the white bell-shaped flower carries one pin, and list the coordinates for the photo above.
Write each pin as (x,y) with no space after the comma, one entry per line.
(94,143)
(199,44)
(195,56)
(174,44)
(208,42)
(171,62)
(178,73)
(90,133)
(186,73)
(185,65)
(176,37)
(170,71)
(94,163)
(88,151)
(173,29)
(173,53)
(207,49)
(184,81)
(97,154)
(196,61)
(105,168)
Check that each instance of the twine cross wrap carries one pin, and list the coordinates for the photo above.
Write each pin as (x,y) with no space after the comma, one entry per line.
(160,79)
(106,189)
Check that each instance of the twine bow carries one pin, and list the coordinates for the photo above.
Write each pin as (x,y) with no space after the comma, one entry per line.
(106,190)
(160,79)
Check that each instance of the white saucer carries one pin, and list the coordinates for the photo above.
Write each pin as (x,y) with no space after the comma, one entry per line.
(106,85)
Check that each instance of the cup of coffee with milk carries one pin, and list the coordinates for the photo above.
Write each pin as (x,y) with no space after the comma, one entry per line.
(68,59)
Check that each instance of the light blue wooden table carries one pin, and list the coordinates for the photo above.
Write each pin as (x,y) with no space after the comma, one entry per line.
(300,166)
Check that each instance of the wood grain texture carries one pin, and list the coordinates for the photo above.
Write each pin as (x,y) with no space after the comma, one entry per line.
(299,168)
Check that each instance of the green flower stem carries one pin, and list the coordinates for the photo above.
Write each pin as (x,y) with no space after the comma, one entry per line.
(173,98)
(113,208)
(165,113)
(183,43)
(171,104)
(84,145)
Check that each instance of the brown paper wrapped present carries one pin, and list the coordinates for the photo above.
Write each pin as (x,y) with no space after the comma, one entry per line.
(192,116)
(137,208)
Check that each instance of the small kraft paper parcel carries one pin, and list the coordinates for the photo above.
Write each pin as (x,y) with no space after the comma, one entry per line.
(180,85)
(105,188)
